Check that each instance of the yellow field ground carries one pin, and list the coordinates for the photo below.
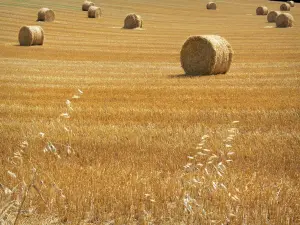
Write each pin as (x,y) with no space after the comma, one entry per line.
(140,117)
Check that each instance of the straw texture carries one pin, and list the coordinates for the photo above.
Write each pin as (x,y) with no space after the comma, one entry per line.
(133,21)
(291,3)
(285,7)
(94,12)
(86,5)
(31,35)
(284,20)
(272,16)
(206,54)
(262,10)
(211,5)
(45,14)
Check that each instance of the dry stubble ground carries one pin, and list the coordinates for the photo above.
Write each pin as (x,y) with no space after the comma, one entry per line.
(139,117)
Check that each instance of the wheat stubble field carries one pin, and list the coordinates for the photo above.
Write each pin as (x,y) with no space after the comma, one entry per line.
(133,133)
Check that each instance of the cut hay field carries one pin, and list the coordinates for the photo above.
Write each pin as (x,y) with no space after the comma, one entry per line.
(137,124)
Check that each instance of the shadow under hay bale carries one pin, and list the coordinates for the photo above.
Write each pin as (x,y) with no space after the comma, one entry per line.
(272,16)
(284,20)
(133,21)
(285,7)
(46,15)
(211,6)
(262,10)
(86,5)
(206,55)
(94,12)
(31,35)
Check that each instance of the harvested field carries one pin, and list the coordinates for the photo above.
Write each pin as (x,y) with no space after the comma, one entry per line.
(124,147)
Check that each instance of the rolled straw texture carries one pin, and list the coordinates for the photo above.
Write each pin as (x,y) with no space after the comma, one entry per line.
(94,12)
(205,55)
(86,5)
(31,35)
(284,20)
(133,21)
(262,10)
(45,14)
(211,5)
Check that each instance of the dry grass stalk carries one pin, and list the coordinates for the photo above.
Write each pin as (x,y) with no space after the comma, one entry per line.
(31,35)
(284,20)
(46,14)
(133,21)
(205,182)
(291,3)
(207,54)
(272,16)
(94,12)
(211,5)
(86,5)
(285,7)
(262,10)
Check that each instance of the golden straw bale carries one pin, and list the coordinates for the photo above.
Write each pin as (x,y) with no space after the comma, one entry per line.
(205,55)
(31,35)
(284,20)
(272,16)
(46,14)
(86,5)
(133,21)
(211,5)
(94,12)
(291,3)
(262,10)
(285,7)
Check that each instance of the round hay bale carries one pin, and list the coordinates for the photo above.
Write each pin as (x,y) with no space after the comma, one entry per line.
(46,14)
(94,12)
(211,5)
(133,21)
(31,35)
(272,16)
(262,10)
(205,55)
(86,5)
(285,7)
(291,3)
(284,20)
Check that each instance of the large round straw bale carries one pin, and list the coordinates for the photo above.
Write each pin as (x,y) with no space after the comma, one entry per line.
(284,20)
(285,7)
(291,3)
(86,5)
(133,21)
(206,54)
(262,10)
(46,14)
(31,35)
(94,12)
(211,5)
(272,16)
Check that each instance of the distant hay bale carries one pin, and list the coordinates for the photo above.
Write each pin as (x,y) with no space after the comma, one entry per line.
(285,7)
(31,35)
(284,20)
(86,5)
(46,14)
(211,5)
(133,21)
(262,10)
(272,16)
(205,55)
(291,3)
(94,12)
